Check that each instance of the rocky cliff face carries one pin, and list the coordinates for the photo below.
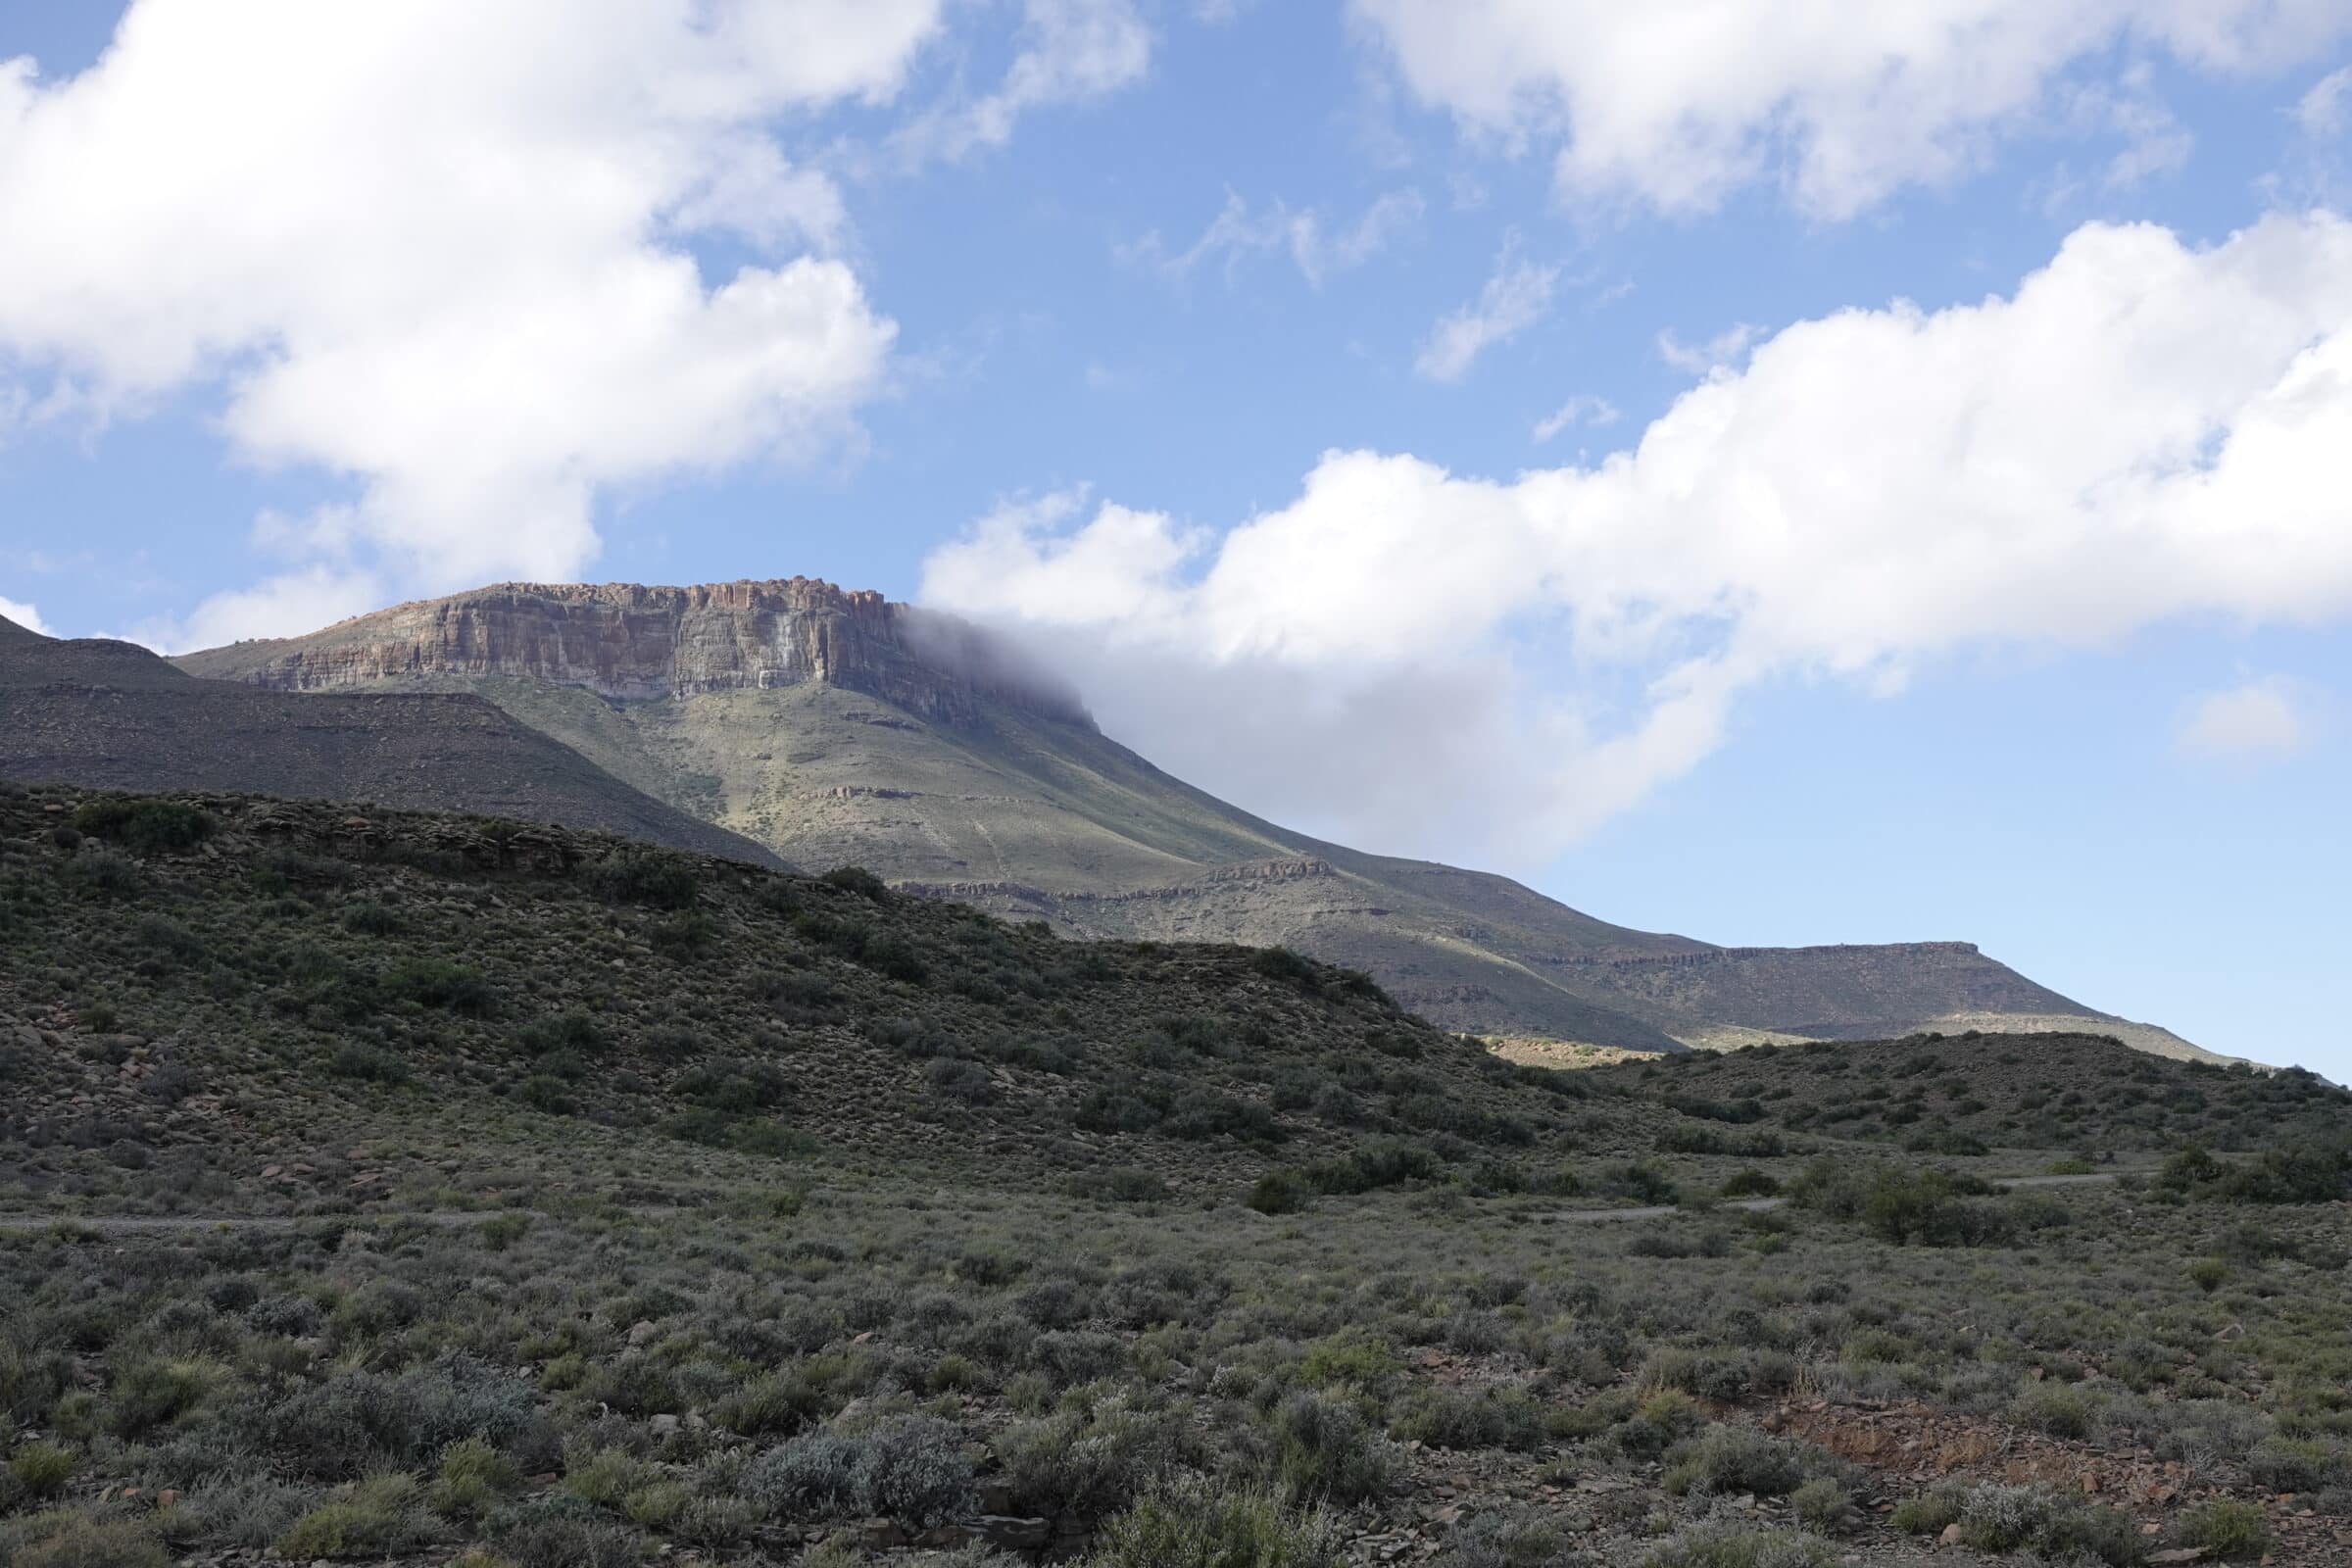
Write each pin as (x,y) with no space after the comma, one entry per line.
(632,643)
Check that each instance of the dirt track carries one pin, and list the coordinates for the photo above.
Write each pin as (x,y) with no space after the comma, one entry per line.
(171,1224)
(1756,1205)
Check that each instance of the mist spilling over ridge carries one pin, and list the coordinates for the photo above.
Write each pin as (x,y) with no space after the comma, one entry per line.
(836,727)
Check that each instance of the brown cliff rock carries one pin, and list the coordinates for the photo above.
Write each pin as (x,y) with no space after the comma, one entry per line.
(632,643)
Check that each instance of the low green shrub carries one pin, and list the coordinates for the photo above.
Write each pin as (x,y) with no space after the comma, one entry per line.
(1354,1357)
(858,880)
(1324,1452)
(642,875)
(441,984)
(1205,1528)
(1905,1206)
(2059,1409)
(558,1531)
(1824,1504)
(474,1477)
(1507,1537)
(363,1062)
(2005,1518)
(1929,1513)
(1468,1418)
(2227,1529)
(355,1422)
(1096,1462)
(911,1468)
(145,827)
(146,1394)
(2297,1464)
(2316,1170)
(41,1468)
(1718,1545)
(380,1516)
(81,1541)
(1733,1459)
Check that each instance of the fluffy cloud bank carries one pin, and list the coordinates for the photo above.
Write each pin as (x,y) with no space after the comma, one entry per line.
(441,249)
(1678,102)
(2144,430)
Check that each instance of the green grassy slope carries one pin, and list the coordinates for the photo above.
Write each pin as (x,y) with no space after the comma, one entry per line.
(1032,817)
(1035,819)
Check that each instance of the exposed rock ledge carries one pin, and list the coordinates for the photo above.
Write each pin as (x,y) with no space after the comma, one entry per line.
(628,642)
(1280,870)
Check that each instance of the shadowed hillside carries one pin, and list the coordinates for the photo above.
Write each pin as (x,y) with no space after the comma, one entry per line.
(457,965)
(113,715)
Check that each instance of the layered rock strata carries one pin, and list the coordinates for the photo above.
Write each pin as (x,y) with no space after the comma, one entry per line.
(632,643)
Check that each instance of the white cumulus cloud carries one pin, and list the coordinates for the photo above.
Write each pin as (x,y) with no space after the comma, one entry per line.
(24,616)
(440,249)
(301,600)
(1676,103)
(1448,664)
(2260,721)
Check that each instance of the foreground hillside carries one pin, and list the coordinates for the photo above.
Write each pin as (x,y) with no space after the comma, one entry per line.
(113,715)
(839,729)
(253,962)
(429,1190)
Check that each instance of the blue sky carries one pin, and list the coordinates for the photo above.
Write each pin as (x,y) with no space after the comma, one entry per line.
(1465,429)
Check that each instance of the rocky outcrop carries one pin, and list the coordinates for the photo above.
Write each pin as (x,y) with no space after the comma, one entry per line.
(1282,870)
(631,643)
(1912,954)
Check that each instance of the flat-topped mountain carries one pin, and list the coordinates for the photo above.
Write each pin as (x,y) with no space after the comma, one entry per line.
(95,711)
(840,728)
(633,644)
